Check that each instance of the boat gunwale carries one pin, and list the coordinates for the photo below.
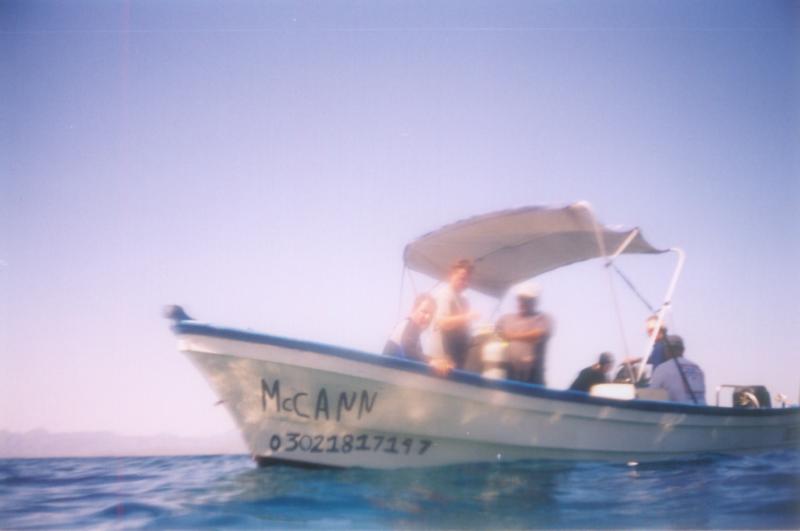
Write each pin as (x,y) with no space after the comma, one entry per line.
(469,378)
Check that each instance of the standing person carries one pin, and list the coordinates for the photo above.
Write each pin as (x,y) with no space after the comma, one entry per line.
(405,340)
(527,333)
(594,374)
(451,327)
(683,380)
(657,355)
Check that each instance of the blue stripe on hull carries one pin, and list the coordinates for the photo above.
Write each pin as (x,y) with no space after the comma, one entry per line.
(518,388)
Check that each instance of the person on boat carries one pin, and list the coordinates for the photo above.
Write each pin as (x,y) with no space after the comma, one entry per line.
(657,354)
(594,374)
(405,339)
(683,380)
(451,324)
(527,333)
(627,370)
(656,357)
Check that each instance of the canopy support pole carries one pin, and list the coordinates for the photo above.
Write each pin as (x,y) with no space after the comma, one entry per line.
(633,289)
(624,245)
(608,260)
(666,305)
(405,273)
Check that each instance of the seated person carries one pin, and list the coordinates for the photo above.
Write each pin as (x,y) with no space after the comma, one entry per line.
(404,341)
(593,375)
(627,372)
(683,380)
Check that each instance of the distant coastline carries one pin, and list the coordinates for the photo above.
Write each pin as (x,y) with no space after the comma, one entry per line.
(43,443)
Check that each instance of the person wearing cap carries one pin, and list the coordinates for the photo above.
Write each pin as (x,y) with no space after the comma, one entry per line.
(683,380)
(527,333)
(451,324)
(594,374)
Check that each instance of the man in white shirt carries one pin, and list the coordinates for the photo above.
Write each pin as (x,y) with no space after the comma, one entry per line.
(683,380)
(451,325)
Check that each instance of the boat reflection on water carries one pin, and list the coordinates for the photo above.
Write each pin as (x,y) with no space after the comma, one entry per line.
(711,491)
(450,496)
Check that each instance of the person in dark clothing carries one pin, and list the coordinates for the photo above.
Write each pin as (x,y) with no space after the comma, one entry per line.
(596,374)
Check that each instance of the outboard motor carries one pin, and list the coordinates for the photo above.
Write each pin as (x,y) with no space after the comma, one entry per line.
(751,397)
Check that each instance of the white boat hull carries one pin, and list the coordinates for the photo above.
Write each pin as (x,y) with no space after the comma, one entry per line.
(319,405)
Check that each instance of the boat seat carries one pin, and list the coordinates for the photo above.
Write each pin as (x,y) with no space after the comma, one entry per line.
(619,391)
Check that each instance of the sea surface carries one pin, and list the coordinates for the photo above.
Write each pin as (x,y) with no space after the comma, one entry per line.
(750,492)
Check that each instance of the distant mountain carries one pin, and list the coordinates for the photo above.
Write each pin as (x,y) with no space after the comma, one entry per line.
(41,443)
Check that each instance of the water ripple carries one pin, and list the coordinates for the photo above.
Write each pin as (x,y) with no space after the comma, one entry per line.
(760,491)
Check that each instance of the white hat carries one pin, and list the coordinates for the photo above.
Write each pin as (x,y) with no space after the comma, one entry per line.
(528,290)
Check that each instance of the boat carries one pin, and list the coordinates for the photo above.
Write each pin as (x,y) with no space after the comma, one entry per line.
(311,404)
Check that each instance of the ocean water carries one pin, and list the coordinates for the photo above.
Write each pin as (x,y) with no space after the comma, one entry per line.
(751,492)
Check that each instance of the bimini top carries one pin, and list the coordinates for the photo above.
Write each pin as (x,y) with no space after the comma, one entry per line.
(511,246)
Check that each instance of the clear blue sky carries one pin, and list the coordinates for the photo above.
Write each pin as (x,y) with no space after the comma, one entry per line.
(264,163)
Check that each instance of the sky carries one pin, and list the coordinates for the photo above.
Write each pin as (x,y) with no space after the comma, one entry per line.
(263,164)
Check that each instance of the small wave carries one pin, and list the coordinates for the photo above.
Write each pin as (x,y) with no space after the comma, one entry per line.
(130,510)
(214,491)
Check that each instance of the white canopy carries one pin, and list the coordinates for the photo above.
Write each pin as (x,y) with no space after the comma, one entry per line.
(510,246)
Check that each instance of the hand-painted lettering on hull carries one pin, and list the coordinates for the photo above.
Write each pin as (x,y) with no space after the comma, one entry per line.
(317,404)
